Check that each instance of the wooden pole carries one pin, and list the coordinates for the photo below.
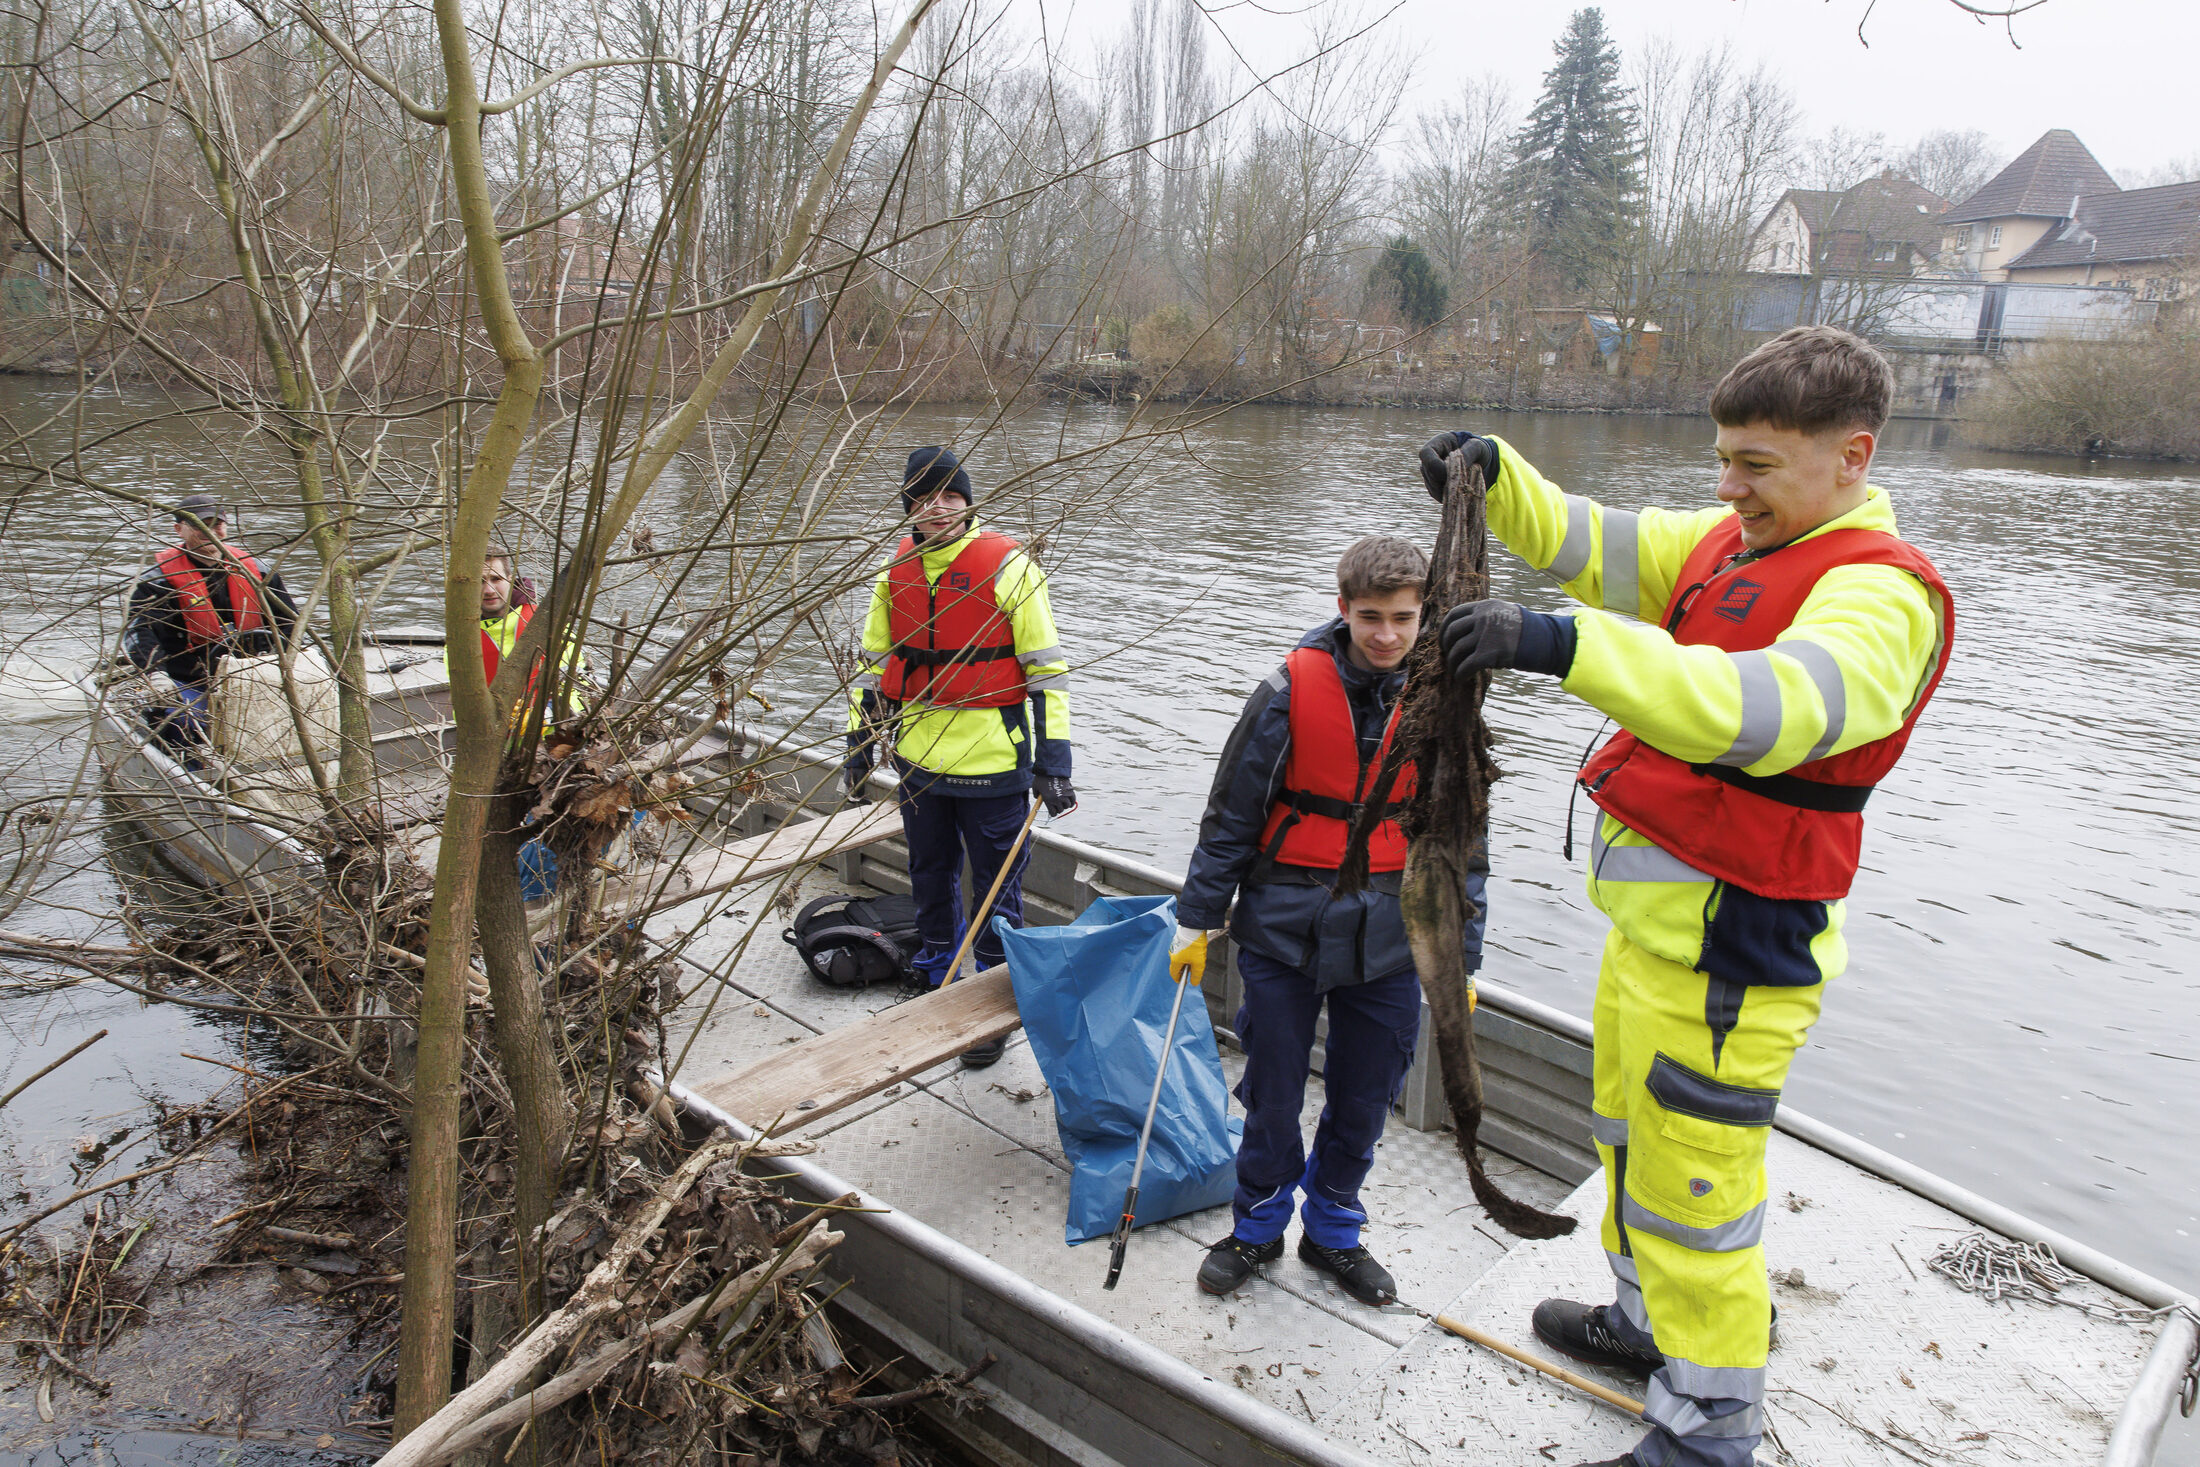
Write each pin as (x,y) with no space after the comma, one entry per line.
(985,908)
(1556,1372)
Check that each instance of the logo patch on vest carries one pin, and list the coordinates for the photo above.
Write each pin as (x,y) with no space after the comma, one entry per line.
(1698,1187)
(1735,602)
(957,580)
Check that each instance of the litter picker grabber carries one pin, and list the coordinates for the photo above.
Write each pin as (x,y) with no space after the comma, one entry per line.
(1122,1240)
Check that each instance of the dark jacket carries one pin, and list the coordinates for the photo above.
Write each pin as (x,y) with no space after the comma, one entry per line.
(1288,914)
(154,636)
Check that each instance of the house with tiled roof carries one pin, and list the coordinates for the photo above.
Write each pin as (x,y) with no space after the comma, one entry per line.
(2021,205)
(2146,238)
(1886,225)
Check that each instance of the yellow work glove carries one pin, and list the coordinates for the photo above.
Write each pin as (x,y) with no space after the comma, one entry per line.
(1188,959)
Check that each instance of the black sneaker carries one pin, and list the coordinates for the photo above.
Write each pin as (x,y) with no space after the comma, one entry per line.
(978,1056)
(1582,1331)
(1232,1261)
(1363,1278)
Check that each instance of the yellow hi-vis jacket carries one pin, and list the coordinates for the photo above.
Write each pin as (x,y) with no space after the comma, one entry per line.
(1879,624)
(980,750)
(503,633)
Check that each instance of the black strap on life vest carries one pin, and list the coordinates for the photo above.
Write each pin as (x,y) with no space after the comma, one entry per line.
(1791,789)
(1301,804)
(942,656)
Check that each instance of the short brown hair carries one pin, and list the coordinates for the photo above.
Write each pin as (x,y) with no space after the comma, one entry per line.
(1807,379)
(1377,565)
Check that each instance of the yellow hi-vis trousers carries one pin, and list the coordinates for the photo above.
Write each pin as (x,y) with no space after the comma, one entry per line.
(1681,1124)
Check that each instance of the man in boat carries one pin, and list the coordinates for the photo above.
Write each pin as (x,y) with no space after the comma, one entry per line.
(1302,755)
(202,600)
(1766,660)
(963,679)
(507,606)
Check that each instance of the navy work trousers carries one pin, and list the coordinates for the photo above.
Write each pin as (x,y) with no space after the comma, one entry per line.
(1372,1029)
(941,830)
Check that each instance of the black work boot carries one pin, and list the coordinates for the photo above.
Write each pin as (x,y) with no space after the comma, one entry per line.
(1232,1261)
(1583,1331)
(978,1056)
(1626,1461)
(1363,1278)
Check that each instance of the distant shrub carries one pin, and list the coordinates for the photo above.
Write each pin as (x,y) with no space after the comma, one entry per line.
(2137,395)
(1180,352)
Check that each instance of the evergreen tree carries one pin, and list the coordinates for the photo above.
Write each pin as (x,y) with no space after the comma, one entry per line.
(1573,186)
(1404,274)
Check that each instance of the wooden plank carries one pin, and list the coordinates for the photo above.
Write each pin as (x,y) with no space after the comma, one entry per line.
(832,1071)
(708,872)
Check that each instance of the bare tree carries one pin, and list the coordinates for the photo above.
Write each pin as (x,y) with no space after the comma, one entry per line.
(1953,164)
(1455,158)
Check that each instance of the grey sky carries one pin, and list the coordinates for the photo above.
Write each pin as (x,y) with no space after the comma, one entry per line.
(2119,73)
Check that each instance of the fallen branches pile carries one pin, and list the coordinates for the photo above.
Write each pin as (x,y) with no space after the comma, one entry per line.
(669,1310)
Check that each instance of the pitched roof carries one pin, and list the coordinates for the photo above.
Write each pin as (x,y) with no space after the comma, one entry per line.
(1891,209)
(1885,207)
(1813,204)
(2130,225)
(2041,182)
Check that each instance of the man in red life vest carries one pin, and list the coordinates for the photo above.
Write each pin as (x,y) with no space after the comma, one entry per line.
(203,599)
(1305,748)
(1765,661)
(507,606)
(964,681)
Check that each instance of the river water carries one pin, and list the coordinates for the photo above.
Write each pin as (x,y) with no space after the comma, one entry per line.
(2022,1008)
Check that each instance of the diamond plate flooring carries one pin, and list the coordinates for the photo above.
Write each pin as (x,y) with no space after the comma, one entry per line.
(1880,1362)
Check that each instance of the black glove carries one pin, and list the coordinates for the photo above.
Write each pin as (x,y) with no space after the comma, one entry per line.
(1056,791)
(1481,451)
(1479,635)
(856,769)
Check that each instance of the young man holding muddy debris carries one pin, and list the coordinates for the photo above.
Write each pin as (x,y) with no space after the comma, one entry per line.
(1304,750)
(203,599)
(1766,661)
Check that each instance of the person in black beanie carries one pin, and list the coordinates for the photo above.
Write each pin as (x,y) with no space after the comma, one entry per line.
(963,680)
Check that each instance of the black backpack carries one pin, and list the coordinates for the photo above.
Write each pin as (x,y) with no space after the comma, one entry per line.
(850,942)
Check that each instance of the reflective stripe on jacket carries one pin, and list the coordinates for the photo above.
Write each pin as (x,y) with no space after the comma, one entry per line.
(202,622)
(952,644)
(1328,774)
(957,748)
(1794,835)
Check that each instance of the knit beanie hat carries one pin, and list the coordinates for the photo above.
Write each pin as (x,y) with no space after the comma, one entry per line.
(931,470)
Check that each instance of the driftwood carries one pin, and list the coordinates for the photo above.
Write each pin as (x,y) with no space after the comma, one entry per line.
(602,1293)
(1448,819)
(746,1291)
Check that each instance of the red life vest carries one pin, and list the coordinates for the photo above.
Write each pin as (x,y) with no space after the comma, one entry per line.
(953,644)
(1796,835)
(202,623)
(1324,777)
(492,655)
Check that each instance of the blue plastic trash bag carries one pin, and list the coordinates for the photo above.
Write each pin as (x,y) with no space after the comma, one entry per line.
(1095,999)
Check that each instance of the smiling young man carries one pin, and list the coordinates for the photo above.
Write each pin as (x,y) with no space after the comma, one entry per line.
(1765,661)
(1304,750)
(965,684)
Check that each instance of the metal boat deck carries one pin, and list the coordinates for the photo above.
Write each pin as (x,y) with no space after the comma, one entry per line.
(1880,1360)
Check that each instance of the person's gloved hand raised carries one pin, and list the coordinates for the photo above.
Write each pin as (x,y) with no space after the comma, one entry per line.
(1481,451)
(1060,796)
(1188,957)
(1480,635)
